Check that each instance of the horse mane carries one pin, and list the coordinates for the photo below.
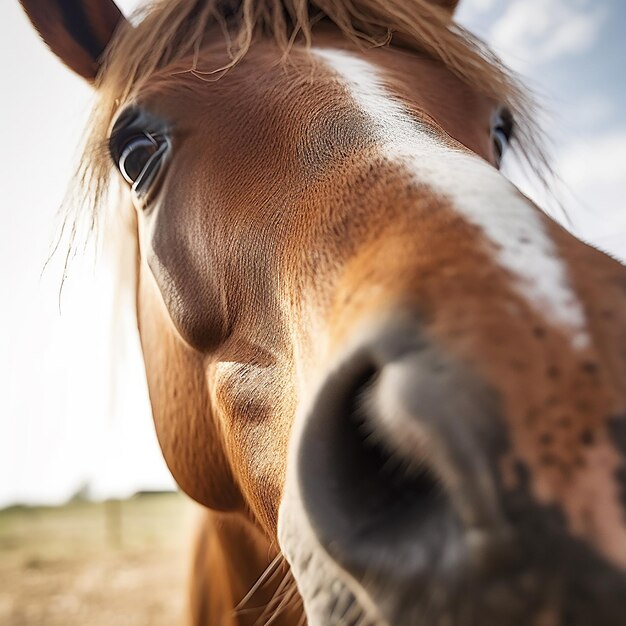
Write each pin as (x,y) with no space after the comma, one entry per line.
(169,31)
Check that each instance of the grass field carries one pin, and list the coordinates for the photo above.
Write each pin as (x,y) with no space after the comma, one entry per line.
(96,564)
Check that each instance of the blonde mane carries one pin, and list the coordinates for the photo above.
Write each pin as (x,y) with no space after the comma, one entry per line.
(168,31)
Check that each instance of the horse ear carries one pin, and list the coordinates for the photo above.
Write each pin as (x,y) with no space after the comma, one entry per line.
(77,31)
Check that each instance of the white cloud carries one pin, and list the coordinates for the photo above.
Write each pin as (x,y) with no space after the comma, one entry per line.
(591,111)
(594,161)
(479,6)
(539,31)
(594,172)
(475,15)
(589,195)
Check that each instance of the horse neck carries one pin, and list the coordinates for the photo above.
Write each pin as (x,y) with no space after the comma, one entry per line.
(238,577)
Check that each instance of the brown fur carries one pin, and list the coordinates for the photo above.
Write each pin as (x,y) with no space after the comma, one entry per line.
(225,588)
(277,228)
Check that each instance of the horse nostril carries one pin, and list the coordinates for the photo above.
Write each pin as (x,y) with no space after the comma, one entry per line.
(384,486)
(372,509)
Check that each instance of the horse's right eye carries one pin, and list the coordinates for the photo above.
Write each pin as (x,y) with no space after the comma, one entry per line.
(501,132)
(136,156)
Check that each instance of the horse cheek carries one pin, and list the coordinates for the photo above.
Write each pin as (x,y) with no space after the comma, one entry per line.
(186,425)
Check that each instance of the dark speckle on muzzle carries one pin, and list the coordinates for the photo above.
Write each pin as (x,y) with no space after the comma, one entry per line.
(398,470)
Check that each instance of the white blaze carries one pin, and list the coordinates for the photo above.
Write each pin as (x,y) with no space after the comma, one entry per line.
(474,188)
(521,245)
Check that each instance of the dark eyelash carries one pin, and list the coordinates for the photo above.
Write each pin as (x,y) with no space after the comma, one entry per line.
(134,121)
(507,122)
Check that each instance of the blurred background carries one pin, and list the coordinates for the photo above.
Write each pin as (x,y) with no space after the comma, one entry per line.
(72,428)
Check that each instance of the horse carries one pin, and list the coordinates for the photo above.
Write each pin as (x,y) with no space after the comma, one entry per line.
(397,386)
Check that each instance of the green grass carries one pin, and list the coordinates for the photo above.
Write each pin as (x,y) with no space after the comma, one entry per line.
(121,562)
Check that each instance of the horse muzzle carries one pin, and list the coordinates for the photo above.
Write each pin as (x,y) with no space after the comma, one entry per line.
(396,462)
(394,470)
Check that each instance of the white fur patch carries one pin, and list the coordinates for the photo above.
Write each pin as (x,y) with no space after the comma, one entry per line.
(475,189)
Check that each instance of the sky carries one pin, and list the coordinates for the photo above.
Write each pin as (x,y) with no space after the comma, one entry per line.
(68,418)
(572,53)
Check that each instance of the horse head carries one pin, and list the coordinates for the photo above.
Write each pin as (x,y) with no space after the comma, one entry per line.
(361,340)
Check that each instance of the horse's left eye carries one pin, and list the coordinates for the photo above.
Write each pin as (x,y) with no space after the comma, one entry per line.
(139,144)
(136,156)
(501,132)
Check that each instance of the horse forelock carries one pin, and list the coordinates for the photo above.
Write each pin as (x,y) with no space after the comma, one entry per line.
(174,32)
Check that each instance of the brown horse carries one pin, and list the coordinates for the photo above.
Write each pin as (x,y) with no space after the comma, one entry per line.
(366,351)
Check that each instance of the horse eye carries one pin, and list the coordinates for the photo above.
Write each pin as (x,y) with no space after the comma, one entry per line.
(135,157)
(501,132)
